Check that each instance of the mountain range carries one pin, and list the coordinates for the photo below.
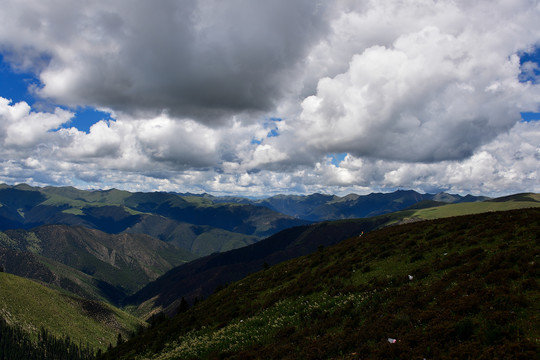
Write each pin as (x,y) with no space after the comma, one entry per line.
(191,223)
(320,207)
(157,253)
(201,224)
(199,278)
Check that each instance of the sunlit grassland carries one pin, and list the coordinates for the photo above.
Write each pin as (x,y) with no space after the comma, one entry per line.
(77,200)
(32,306)
(112,197)
(472,208)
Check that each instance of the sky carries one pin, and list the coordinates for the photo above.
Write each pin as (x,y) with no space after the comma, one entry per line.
(257,98)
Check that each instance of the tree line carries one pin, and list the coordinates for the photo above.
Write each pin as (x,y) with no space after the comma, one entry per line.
(15,344)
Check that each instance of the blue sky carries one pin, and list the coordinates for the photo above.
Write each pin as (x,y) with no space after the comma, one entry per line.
(294,99)
(17,86)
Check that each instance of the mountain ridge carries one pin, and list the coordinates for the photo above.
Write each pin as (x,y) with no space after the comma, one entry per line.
(117,264)
(322,207)
(118,211)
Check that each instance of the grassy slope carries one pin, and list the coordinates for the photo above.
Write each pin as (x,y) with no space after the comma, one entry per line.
(31,306)
(520,201)
(218,240)
(472,208)
(474,292)
(125,261)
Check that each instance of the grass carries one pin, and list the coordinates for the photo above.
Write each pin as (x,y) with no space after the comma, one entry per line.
(85,282)
(76,196)
(32,306)
(471,208)
(218,240)
(76,200)
(474,292)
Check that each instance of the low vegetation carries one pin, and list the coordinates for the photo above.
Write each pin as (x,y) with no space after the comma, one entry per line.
(89,324)
(519,201)
(460,287)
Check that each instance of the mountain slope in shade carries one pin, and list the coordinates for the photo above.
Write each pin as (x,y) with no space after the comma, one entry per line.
(198,239)
(200,278)
(57,275)
(117,264)
(32,306)
(459,287)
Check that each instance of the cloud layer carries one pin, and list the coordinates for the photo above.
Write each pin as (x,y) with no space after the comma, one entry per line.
(256,97)
(204,59)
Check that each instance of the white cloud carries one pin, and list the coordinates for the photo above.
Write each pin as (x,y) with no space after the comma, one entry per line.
(423,94)
(21,127)
(181,142)
(431,96)
(101,141)
(193,58)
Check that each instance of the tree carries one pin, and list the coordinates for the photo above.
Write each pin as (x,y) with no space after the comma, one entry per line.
(184,306)
(120,339)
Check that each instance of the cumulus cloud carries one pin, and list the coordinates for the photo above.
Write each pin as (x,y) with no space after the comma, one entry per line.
(202,59)
(421,94)
(436,92)
(20,127)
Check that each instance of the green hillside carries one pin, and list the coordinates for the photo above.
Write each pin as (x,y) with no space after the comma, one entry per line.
(92,263)
(459,287)
(429,210)
(502,204)
(31,306)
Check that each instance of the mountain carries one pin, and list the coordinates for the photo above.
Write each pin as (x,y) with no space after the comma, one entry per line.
(299,206)
(192,223)
(86,261)
(199,278)
(320,207)
(202,224)
(458,287)
(32,306)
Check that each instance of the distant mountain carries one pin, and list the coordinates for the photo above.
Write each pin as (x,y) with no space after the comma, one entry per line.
(460,287)
(192,223)
(95,264)
(319,207)
(182,218)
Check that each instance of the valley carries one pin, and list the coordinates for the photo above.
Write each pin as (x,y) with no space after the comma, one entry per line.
(116,263)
